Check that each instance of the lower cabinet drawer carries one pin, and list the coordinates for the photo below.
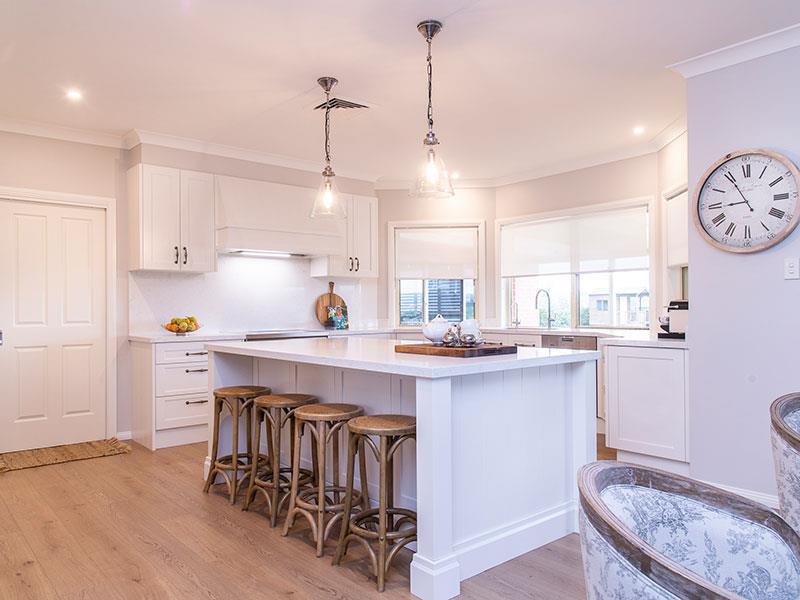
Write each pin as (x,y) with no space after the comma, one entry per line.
(573,342)
(182,380)
(181,411)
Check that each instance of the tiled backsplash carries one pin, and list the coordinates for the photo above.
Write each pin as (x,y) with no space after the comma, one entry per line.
(244,294)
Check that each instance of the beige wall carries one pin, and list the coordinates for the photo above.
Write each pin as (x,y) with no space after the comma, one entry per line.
(620,180)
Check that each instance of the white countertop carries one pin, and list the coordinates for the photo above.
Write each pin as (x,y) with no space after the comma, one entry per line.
(378,355)
(196,336)
(645,339)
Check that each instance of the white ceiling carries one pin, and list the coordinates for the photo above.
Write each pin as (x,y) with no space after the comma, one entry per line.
(520,85)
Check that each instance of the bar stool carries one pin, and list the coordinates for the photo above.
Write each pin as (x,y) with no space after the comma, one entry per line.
(378,524)
(238,400)
(275,410)
(325,421)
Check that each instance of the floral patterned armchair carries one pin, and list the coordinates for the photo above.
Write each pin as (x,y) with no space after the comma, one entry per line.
(652,535)
(785,417)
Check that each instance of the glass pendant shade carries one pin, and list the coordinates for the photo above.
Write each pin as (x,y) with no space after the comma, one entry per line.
(328,202)
(434,180)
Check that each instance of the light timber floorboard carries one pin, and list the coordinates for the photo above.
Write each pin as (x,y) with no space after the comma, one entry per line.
(138,526)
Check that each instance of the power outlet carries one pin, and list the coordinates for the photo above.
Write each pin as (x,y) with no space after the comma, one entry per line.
(791,268)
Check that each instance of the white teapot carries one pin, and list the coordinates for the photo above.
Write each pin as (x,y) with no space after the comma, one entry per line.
(435,329)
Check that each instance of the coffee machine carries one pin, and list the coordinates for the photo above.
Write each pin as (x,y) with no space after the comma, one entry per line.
(676,323)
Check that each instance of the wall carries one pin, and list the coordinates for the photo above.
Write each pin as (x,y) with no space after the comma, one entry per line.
(673,173)
(744,316)
(467,205)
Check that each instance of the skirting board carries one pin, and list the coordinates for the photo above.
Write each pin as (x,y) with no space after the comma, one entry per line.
(124,435)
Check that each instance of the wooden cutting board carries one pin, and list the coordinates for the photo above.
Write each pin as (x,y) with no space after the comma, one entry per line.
(326,301)
(458,352)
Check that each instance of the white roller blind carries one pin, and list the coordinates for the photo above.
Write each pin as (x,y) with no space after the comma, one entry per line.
(603,241)
(436,253)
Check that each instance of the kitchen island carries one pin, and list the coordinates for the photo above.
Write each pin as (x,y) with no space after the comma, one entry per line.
(499,439)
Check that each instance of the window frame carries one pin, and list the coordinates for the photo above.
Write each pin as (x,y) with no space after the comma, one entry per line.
(504,283)
(393,289)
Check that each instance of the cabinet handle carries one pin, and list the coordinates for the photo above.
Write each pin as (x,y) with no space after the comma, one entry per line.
(185,255)
(196,370)
(196,353)
(567,338)
(188,402)
(525,344)
(177,255)
(358,264)
(351,263)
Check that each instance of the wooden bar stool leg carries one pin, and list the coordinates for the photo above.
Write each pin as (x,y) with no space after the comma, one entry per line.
(235,449)
(382,506)
(248,408)
(341,547)
(275,459)
(390,487)
(322,430)
(335,467)
(298,430)
(212,471)
(251,488)
(362,465)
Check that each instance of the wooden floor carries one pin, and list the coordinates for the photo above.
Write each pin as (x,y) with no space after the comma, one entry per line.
(138,526)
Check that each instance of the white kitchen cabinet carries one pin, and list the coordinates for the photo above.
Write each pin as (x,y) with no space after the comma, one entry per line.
(361,257)
(646,401)
(170,393)
(525,340)
(171,219)
(678,230)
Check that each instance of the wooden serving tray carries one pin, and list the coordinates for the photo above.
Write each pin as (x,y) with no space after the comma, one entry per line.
(457,352)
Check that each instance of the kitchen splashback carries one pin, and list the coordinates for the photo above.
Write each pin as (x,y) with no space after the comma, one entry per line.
(243,294)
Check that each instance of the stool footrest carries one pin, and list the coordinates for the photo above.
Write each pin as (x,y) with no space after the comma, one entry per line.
(359,521)
(308,497)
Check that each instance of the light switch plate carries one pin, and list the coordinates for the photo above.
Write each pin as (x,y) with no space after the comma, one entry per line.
(791,268)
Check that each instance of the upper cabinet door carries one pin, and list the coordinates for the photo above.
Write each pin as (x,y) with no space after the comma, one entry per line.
(364,235)
(197,252)
(678,230)
(160,229)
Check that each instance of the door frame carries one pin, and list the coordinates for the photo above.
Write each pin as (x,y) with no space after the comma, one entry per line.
(109,205)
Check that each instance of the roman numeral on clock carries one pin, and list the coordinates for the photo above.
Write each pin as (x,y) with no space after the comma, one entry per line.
(764,170)
(718,190)
(781,197)
(746,170)
(777,213)
(778,180)
(715,206)
(718,219)
(747,232)
(731,228)
(729,176)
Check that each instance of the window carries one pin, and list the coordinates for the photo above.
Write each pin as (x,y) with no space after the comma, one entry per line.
(595,268)
(435,273)
(454,299)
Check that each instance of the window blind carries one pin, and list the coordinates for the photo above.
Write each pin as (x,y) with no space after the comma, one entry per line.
(603,241)
(436,253)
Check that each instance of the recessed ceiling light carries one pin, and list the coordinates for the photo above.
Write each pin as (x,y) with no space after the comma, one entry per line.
(74,94)
(638,130)
(455,175)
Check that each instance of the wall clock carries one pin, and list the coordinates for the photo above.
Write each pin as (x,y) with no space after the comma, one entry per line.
(747,201)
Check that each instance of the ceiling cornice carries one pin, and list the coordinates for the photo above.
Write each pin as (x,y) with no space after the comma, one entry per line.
(756,47)
(59,132)
(664,137)
(138,136)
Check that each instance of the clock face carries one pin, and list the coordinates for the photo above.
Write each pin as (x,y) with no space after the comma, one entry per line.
(748,201)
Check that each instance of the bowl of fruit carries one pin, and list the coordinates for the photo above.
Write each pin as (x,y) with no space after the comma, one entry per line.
(182,325)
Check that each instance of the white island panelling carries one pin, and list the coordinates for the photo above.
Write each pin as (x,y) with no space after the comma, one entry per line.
(499,439)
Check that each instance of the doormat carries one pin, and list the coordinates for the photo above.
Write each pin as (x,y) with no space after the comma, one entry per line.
(39,457)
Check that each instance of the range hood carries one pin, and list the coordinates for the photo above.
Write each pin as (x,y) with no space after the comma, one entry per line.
(259,218)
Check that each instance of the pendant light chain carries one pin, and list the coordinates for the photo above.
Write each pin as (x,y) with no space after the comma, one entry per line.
(430,88)
(328,129)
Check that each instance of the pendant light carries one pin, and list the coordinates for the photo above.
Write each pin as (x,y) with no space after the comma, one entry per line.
(434,180)
(328,202)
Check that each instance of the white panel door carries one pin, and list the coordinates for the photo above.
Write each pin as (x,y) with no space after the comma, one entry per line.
(365,235)
(161,212)
(646,397)
(53,318)
(197,222)
(678,230)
